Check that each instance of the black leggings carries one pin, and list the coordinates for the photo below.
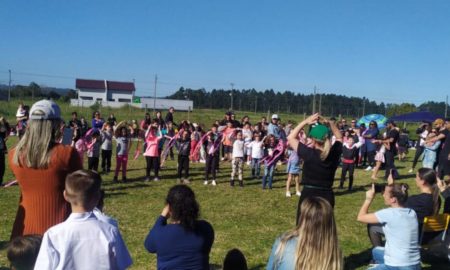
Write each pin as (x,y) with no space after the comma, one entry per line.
(106,160)
(2,166)
(183,164)
(307,192)
(93,163)
(350,168)
(152,162)
(419,151)
(210,167)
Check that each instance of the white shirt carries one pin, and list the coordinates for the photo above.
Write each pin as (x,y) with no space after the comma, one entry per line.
(257,150)
(102,217)
(423,137)
(238,149)
(83,242)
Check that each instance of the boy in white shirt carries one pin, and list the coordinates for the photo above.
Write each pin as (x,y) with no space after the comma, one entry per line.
(237,162)
(257,152)
(83,241)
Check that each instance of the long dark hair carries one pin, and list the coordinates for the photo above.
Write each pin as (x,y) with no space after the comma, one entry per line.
(429,177)
(183,206)
(400,192)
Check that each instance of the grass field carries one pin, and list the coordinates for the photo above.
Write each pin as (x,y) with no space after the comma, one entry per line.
(247,218)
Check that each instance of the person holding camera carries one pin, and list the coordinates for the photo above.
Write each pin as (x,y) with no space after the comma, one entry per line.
(422,132)
(400,227)
(319,161)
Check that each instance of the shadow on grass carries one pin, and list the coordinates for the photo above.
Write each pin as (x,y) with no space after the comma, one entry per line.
(339,192)
(3,244)
(355,261)
(125,186)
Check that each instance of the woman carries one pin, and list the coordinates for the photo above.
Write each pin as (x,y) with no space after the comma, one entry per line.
(97,121)
(185,242)
(371,148)
(40,166)
(4,133)
(400,227)
(313,244)
(427,203)
(319,161)
(160,120)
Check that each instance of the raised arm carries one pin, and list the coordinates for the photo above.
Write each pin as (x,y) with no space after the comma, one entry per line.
(293,140)
(364,216)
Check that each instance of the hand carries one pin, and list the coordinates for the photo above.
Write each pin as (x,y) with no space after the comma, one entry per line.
(370,194)
(312,119)
(441,184)
(166,211)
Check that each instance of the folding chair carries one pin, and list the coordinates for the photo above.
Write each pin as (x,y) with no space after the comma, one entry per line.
(437,223)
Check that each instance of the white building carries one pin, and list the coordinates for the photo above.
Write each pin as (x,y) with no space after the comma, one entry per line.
(104,91)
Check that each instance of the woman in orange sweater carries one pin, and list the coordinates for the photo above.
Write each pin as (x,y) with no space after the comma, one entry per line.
(40,165)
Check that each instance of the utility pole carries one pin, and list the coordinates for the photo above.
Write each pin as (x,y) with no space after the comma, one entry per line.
(9,87)
(154,95)
(320,103)
(231,95)
(446,105)
(314,101)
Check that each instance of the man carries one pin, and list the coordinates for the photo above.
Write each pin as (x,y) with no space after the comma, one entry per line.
(392,136)
(169,116)
(273,128)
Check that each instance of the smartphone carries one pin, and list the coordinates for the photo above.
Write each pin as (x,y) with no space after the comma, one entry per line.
(379,188)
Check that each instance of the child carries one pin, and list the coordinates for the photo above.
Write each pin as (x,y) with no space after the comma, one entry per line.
(122,149)
(152,138)
(83,241)
(430,153)
(93,151)
(237,163)
(211,158)
(107,135)
(349,153)
(184,149)
(269,169)
(171,134)
(247,134)
(227,142)
(379,158)
(195,138)
(293,170)
(257,154)
(23,251)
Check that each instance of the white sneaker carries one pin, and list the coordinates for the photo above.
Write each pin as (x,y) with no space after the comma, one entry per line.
(298,193)
(410,171)
(186,181)
(368,168)
(248,163)
(156,179)
(288,194)
(214,182)
(205,183)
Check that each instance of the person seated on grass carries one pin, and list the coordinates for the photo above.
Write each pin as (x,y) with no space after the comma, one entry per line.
(23,251)
(427,203)
(83,241)
(234,260)
(400,227)
(313,244)
(184,242)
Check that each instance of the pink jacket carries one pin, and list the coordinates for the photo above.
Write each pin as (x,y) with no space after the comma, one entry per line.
(152,145)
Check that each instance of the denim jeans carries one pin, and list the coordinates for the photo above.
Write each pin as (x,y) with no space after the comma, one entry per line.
(256,167)
(268,176)
(378,257)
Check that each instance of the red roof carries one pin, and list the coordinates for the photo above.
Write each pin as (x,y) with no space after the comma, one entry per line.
(99,84)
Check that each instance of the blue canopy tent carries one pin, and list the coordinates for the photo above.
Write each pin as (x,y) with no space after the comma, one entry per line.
(416,117)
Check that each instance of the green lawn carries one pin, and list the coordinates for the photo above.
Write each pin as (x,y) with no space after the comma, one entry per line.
(247,218)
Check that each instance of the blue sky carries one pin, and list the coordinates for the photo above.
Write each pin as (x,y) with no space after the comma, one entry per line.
(387,50)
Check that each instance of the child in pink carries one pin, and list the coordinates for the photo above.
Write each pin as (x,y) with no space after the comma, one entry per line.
(123,147)
(152,137)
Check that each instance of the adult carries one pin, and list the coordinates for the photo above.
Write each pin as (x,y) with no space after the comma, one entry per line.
(40,165)
(22,119)
(169,116)
(226,119)
(422,132)
(160,120)
(369,135)
(84,126)
(75,125)
(400,227)
(97,121)
(444,153)
(236,123)
(112,121)
(273,128)
(245,120)
(313,244)
(319,161)
(426,203)
(4,133)
(184,242)
(392,136)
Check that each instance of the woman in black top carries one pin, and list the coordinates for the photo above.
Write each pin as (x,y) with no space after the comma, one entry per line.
(320,161)
(4,133)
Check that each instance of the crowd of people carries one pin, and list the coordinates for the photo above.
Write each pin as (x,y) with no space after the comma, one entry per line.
(64,203)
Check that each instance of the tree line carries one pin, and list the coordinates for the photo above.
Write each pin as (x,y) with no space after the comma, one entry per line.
(298,103)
